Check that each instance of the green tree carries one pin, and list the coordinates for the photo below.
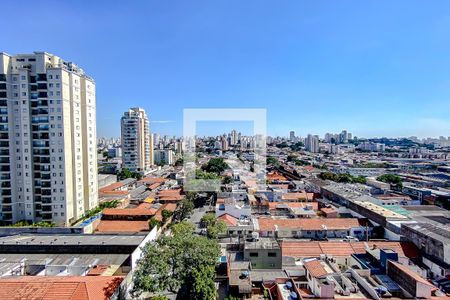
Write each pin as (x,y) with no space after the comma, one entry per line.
(272,161)
(166,214)
(213,226)
(153,222)
(167,264)
(124,174)
(227,180)
(179,162)
(203,287)
(215,165)
(199,174)
(186,208)
(159,297)
(391,179)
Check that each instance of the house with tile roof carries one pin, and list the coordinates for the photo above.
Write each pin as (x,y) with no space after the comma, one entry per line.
(317,228)
(61,288)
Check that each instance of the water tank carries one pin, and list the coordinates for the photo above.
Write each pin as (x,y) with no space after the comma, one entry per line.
(255,236)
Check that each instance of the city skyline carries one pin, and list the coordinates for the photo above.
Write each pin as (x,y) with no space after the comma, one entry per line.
(309,67)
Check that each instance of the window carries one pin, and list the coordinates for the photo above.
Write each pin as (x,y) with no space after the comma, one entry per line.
(272,254)
(253,254)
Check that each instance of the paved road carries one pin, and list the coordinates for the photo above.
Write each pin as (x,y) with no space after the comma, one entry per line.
(196,216)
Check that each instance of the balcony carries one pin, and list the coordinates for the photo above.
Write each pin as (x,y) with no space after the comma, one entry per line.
(42,86)
(42,95)
(5,169)
(6,192)
(6,184)
(5,177)
(41,77)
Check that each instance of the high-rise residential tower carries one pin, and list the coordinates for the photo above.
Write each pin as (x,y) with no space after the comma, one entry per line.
(292,136)
(136,146)
(48,155)
(312,143)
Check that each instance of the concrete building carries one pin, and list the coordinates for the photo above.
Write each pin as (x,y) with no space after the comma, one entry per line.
(312,143)
(115,152)
(135,137)
(264,253)
(48,158)
(292,136)
(164,157)
(431,239)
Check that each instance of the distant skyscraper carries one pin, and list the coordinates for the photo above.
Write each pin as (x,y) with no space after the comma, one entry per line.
(48,155)
(234,138)
(292,136)
(343,137)
(136,146)
(312,143)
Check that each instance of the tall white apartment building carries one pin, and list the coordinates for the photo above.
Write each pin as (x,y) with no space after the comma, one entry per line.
(48,155)
(137,151)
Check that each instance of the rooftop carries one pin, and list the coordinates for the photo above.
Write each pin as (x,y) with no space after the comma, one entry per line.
(72,239)
(58,287)
(269,224)
(301,249)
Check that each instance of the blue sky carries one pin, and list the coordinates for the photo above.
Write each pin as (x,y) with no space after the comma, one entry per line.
(375,68)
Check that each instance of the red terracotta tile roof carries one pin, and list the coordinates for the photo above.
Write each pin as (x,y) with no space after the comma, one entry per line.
(170,195)
(328,210)
(113,186)
(298,196)
(59,288)
(97,270)
(145,205)
(129,212)
(301,249)
(336,248)
(315,268)
(152,180)
(280,186)
(274,205)
(155,185)
(269,224)
(276,176)
(169,206)
(122,226)
(228,219)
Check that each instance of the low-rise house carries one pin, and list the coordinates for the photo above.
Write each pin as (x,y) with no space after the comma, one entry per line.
(263,253)
(170,196)
(61,288)
(233,207)
(316,273)
(311,228)
(415,285)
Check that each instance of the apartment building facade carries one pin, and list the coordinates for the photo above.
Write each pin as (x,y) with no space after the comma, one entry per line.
(48,156)
(137,152)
